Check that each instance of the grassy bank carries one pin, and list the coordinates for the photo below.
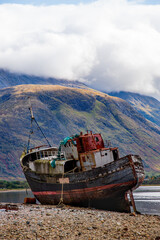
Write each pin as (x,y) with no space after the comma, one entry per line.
(8,185)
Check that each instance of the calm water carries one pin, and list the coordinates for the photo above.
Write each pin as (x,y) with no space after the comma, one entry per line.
(147,198)
(15,196)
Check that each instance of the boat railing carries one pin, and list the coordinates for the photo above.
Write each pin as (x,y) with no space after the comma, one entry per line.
(50,154)
(37,148)
(45,154)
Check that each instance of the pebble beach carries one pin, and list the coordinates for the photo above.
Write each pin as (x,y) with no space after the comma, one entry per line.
(41,222)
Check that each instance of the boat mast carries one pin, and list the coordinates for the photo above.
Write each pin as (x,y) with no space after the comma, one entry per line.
(31,131)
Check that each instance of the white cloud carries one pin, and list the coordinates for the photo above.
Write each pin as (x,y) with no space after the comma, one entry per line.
(112,45)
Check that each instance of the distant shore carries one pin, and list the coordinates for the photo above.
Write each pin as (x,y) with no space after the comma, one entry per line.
(14,190)
(51,222)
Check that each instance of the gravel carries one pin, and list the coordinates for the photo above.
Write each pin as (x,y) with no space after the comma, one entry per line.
(52,223)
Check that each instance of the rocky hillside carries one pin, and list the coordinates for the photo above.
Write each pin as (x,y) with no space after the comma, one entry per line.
(8,79)
(63,111)
(149,107)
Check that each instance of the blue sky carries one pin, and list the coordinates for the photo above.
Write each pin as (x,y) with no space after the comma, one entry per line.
(55,2)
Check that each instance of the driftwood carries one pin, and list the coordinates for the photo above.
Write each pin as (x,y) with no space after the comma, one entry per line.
(9,206)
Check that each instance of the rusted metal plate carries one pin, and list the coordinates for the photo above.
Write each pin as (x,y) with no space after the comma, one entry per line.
(64,180)
(89,142)
(30,200)
(87,161)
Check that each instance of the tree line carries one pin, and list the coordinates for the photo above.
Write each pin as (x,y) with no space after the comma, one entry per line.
(13,184)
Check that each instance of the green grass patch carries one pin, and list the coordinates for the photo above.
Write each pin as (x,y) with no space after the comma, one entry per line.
(13,184)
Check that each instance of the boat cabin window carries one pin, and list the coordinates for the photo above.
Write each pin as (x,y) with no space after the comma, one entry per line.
(96,139)
(115,154)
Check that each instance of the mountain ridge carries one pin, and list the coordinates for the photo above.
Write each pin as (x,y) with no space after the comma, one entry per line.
(9,79)
(68,107)
(148,106)
(64,111)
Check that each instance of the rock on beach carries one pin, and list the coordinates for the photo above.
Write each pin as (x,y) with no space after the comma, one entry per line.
(41,222)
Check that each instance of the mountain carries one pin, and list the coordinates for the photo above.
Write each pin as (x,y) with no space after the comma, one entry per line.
(8,79)
(63,111)
(149,107)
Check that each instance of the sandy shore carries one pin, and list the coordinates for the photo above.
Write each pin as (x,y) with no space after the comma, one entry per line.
(50,222)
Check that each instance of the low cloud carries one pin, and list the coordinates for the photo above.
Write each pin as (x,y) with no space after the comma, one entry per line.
(111,45)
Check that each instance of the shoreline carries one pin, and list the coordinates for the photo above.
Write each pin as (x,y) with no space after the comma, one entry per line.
(15,190)
(52,222)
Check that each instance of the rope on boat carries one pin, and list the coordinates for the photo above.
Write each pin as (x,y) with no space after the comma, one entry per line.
(30,133)
(25,168)
(31,129)
(61,204)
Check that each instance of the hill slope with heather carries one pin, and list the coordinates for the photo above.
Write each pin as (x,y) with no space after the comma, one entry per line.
(149,107)
(63,111)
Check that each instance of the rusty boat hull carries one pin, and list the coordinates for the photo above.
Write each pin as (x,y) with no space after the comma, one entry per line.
(103,187)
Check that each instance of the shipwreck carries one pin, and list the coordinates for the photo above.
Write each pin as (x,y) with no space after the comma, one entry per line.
(83,172)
